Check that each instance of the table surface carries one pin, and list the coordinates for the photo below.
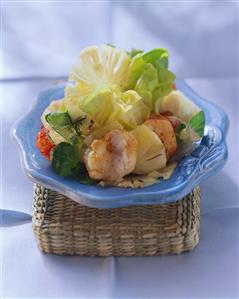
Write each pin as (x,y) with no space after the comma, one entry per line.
(210,271)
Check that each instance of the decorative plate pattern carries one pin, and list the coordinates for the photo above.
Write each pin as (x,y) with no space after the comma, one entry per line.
(205,160)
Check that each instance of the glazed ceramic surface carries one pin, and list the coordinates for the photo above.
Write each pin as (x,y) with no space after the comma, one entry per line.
(206,160)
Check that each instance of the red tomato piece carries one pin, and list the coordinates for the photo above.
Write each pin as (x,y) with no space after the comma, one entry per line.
(44,143)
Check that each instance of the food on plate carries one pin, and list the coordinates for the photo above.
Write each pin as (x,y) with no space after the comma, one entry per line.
(112,157)
(122,121)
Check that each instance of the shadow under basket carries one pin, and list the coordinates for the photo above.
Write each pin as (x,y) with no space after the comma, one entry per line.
(62,226)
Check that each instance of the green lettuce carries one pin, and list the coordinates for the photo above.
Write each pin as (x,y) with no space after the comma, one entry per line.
(154,56)
(134,52)
(111,85)
(98,105)
(110,105)
(135,112)
(135,69)
(148,74)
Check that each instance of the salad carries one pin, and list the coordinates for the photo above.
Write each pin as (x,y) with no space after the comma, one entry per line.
(122,122)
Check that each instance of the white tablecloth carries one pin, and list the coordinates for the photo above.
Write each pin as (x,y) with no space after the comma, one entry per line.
(42,40)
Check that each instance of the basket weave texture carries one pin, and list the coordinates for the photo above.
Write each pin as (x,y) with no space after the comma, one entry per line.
(62,226)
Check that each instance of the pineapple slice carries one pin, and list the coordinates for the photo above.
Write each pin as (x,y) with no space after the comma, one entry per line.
(151,154)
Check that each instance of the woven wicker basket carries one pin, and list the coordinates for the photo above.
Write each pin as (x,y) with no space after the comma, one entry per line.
(62,226)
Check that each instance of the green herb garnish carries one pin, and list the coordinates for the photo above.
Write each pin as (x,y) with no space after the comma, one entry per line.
(62,124)
(81,174)
(66,162)
(197,123)
(65,159)
(58,119)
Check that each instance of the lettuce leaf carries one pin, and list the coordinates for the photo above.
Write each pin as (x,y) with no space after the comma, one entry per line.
(110,105)
(154,57)
(165,81)
(148,80)
(135,69)
(148,74)
(110,85)
(134,52)
(135,113)
(99,106)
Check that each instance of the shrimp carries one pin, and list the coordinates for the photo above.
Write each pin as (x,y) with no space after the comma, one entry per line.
(111,158)
(164,129)
(175,121)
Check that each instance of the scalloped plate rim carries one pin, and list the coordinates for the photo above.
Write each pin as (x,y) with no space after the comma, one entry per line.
(124,196)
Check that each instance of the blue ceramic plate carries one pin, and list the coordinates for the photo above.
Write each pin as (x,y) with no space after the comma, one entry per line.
(205,161)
